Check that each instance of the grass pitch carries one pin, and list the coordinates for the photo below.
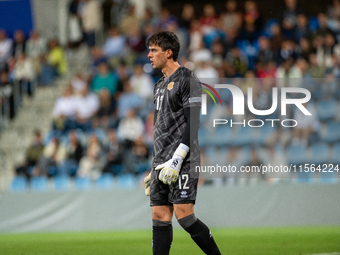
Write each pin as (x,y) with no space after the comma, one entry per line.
(247,241)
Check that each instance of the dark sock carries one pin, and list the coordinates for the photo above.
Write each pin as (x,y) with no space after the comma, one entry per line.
(202,236)
(161,237)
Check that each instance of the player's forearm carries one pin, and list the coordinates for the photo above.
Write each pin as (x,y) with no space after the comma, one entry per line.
(192,117)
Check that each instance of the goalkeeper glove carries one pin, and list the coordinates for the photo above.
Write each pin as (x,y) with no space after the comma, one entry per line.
(147,184)
(170,169)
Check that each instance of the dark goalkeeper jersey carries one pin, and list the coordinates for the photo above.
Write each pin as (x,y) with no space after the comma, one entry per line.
(171,95)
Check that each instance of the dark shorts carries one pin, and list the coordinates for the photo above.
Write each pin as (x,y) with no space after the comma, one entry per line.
(183,191)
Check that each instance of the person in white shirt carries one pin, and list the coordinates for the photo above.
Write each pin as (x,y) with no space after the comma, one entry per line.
(130,127)
(86,105)
(64,109)
(91,21)
(142,83)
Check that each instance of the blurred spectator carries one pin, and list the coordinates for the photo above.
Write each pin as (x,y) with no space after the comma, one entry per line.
(7,94)
(91,21)
(148,128)
(140,154)
(86,105)
(182,37)
(254,176)
(307,124)
(78,83)
(304,48)
(289,17)
(288,70)
(218,53)
(47,164)
(130,127)
(233,160)
(71,152)
(276,39)
(208,19)
(19,43)
(64,110)
(333,12)
(238,63)
(196,36)
(142,83)
(114,153)
(265,54)
(301,30)
(232,18)
(187,16)
(92,162)
(287,51)
(128,100)
(5,49)
(97,57)
(115,43)
(55,64)
(106,110)
(106,8)
(252,21)
(149,19)
(74,24)
(205,69)
(33,154)
(165,18)
(129,21)
(104,79)
(36,48)
(315,70)
(23,73)
(328,50)
(136,40)
(323,25)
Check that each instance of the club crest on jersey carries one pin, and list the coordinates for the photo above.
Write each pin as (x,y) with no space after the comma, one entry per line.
(170,85)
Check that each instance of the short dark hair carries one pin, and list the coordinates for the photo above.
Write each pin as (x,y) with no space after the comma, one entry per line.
(166,40)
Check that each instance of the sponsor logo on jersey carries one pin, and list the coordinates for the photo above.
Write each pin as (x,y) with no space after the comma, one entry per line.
(170,85)
(184,194)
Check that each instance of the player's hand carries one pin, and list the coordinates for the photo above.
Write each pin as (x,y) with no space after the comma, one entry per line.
(170,170)
(147,181)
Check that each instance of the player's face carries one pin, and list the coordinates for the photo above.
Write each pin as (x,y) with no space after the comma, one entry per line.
(157,57)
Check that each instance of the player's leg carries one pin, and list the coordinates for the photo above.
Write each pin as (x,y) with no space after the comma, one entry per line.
(161,229)
(198,231)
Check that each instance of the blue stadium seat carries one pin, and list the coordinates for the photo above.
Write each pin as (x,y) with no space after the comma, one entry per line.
(127,181)
(265,132)
(326,109)
(296,154)
(39,183)
(332,134)
(319,153)
(61,183)
(105,182)
(244,136)
(329,177)
(335,158)
(305,177)
(223,136)
(82,183)
(19,183)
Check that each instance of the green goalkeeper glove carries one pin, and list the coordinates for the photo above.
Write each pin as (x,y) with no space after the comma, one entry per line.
(170,169)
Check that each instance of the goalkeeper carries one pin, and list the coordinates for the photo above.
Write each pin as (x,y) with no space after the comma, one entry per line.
(172,183)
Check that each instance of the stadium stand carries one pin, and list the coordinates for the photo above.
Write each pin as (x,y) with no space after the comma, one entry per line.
(103,95)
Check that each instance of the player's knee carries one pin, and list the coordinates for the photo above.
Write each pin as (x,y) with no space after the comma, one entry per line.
(182,211)
(161,214)
(187,221)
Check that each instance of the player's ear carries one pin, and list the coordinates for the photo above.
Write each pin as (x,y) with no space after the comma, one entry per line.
(169,53)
